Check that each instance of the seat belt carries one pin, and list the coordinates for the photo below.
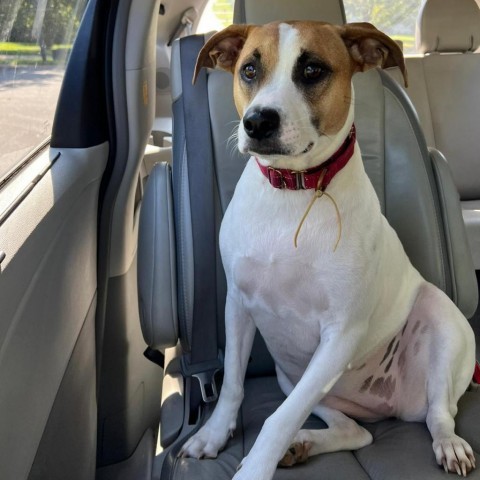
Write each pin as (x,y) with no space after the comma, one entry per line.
(203,360)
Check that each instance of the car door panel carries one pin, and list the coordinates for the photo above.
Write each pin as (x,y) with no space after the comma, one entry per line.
(47,304)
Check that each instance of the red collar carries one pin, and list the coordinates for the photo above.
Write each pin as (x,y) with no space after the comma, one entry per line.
(316,177)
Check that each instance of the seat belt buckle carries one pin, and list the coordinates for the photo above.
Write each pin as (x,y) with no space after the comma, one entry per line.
(207,385)
(204,372)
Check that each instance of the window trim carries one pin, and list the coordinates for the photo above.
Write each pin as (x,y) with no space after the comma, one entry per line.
(18,167)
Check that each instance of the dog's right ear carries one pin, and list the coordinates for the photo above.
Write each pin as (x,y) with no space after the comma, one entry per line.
(223,49)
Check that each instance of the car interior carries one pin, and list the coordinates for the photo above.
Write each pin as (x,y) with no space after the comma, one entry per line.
(112,290)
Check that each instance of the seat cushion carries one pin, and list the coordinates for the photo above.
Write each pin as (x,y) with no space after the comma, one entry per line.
(400,450)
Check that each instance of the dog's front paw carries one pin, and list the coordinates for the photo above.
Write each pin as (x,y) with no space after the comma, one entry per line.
(455,455)
(206,443)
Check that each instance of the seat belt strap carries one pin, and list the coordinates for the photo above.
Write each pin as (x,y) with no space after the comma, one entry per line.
(203,360)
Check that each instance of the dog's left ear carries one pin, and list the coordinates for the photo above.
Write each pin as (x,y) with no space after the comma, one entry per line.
(369,48)
(223,49)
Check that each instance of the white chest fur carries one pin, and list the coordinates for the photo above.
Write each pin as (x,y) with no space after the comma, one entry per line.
(293,294)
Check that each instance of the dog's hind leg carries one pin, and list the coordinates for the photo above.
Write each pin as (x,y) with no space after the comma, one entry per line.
(342,433)
(452,358)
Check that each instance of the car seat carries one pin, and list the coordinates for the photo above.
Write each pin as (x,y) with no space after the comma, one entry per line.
(182,286)
(443,86)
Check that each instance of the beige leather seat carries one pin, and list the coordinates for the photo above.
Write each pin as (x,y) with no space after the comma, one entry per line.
(444,88)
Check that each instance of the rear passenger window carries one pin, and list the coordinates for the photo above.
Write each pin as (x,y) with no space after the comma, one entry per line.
(396,18)
(217,15)
(36,37)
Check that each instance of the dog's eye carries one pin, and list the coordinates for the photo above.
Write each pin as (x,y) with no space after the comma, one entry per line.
(312,72)
(249,72)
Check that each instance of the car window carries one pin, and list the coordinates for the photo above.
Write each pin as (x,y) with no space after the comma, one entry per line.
(218,14)
(36,37)
(397,18)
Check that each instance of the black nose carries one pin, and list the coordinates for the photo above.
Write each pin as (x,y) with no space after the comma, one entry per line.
(260,124)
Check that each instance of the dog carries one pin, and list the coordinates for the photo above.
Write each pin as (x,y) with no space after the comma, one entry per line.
(353,328)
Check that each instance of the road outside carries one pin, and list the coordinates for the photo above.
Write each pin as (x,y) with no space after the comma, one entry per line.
(28,97)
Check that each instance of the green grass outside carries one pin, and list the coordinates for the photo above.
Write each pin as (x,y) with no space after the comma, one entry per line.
(408,42)
(13,54)
(11,48)
(223,9)
(57,46)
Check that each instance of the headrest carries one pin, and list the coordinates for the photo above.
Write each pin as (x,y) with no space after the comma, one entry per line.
(265,11)
(448,26)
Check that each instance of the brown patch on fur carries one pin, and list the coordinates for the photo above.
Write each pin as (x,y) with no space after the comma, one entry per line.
(404,327)
(383,388)
(377,386)
(416,347)
(268,54)
(390,384)
(366,384)
(223,48)
(389,364)
(360,367)
(371,48)
(323,41)
(389,348)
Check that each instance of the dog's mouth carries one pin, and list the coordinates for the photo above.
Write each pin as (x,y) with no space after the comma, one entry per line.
(270,151)
(308,148)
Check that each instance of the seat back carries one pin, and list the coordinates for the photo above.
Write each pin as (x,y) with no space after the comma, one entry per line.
(443,86)
(448,26)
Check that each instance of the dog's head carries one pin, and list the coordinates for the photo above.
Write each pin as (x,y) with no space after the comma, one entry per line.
(292,84)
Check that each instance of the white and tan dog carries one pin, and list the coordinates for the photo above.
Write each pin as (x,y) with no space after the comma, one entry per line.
(354,329)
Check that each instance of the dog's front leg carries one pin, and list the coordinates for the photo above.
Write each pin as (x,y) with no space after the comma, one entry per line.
(239,333)
(330,360)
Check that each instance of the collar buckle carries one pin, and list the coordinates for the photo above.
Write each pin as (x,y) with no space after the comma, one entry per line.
(276,178)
